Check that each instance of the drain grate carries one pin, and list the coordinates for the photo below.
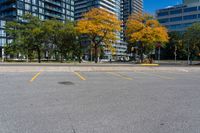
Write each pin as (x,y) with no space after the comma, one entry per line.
(66,83)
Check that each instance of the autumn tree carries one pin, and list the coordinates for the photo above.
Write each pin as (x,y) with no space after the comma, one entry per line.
(101,27)
(146,32)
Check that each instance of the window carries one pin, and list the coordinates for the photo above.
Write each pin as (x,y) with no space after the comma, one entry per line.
(2,23)
(34,9)
(28,1)
(34,2)
(175,19)
(163,14)
(41,17)
(34,14)
(41,4)
(189,17)
(190,9)
(179,11)
(41,10)
(27,7)
(2,41)
(20,5)
(163,20)
(2,33)
(20,12)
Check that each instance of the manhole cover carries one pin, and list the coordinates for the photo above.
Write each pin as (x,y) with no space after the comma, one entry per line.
(66,83)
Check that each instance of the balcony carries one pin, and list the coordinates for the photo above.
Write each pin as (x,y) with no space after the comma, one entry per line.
(53,15)
(9,7)
(53,9)
(7,1)
(53,2)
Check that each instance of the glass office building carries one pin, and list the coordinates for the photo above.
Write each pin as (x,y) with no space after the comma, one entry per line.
(179,17)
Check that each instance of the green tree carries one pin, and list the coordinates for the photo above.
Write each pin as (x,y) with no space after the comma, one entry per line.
(175,46)
(192,40)
(62,36)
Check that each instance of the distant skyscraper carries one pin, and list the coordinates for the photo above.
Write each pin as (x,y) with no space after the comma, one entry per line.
(44,9)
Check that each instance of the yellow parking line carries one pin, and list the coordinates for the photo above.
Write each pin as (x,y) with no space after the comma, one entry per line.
(120,75)
(79,75)
(34,77)
(157,75)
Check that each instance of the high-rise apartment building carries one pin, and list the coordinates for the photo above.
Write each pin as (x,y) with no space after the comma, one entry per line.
(121,8)
(82,6)
(132,6)
(44,9)
(113,6)
(180,17)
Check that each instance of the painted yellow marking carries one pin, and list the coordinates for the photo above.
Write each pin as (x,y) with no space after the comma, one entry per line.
(34,77)
(79,75)
(120,75)
(157,75)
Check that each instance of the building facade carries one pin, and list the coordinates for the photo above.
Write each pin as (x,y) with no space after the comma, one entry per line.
(113,6)
(132,6)
(179,17)
(44,9)
(190,1)
(121,8)
(2,36)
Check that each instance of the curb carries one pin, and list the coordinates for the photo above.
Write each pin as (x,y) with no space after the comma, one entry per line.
(149,65)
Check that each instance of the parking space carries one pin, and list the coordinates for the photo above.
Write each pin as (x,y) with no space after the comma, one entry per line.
(100,102)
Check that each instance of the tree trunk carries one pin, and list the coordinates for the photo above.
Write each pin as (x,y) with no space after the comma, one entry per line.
(96,53)
(61,57)
(141,54)
(39,55)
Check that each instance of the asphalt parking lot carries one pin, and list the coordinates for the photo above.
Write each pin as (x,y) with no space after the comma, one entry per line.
(100,102)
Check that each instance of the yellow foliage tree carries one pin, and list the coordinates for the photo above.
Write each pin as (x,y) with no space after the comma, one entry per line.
(145,31)
(100,26)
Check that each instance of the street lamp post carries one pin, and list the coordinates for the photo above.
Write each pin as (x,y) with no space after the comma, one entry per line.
(175,53)
(2,54)
(188,49)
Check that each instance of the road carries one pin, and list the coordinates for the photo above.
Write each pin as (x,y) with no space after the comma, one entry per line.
(100,102)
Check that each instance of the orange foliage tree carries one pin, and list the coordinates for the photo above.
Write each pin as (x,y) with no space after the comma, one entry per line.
(101,27)
(146,32)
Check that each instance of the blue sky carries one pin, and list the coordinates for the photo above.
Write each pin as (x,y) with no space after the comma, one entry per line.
(151,5)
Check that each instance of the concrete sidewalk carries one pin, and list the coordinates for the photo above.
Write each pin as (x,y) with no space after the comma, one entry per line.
(94,68)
